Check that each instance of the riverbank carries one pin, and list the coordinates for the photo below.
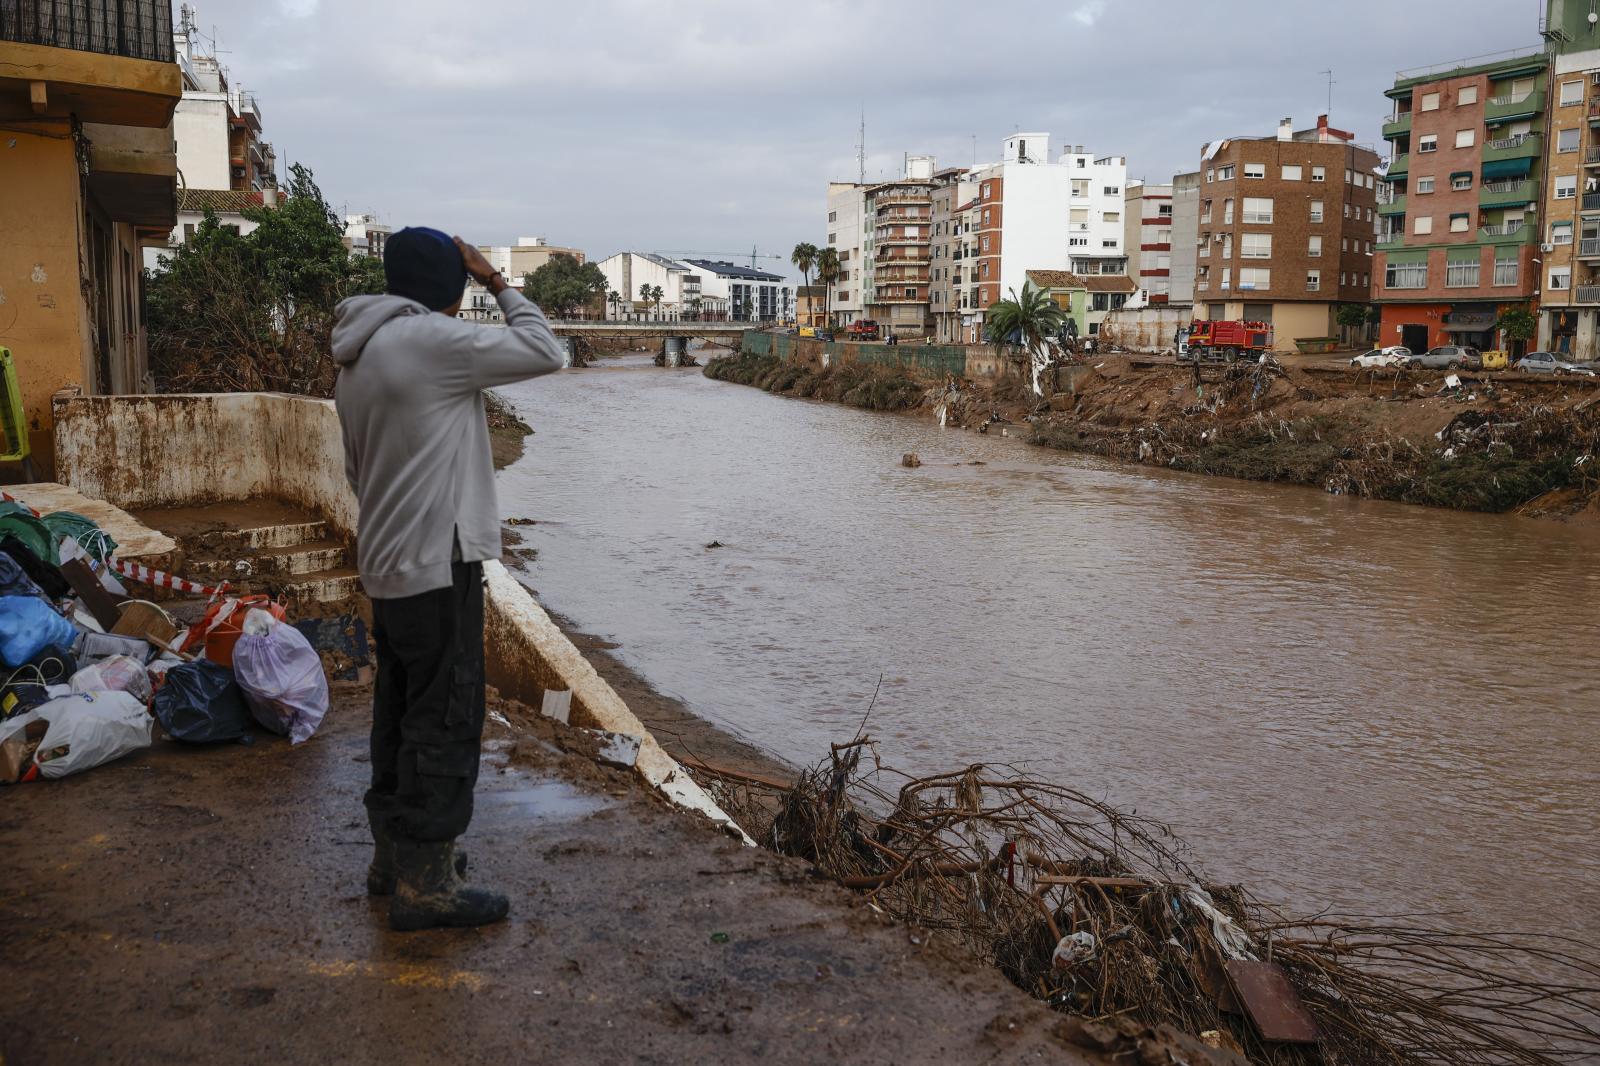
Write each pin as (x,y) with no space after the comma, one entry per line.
(1488,444)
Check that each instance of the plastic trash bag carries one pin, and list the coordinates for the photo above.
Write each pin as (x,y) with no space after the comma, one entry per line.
(14,581)
(116,674)
(75,527)
(200,703)
(281,675)
(85,731)
(28,625)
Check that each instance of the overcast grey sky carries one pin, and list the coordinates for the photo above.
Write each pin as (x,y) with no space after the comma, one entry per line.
(714,126)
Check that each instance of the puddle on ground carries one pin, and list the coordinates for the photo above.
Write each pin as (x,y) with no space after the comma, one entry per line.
(527,798)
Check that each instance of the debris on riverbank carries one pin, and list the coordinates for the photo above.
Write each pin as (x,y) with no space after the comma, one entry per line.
(1491,444)
(1100,914)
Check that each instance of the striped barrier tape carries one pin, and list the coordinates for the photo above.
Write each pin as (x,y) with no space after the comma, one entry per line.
(146,576)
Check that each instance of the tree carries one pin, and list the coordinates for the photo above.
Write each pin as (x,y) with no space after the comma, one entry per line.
(1354,316)
(231,312)
(827,274)
(1028,320)
(563,285)
(1518,324)
(656,294)
(613,298)
(804,258)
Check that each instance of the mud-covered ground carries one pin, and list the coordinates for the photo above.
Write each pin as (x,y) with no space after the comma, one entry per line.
(1494,442)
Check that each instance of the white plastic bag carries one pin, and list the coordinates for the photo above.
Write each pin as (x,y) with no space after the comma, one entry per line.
(281,675)
(119,673)
(88,730)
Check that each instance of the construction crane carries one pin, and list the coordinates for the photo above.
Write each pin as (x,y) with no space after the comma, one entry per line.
(754,254)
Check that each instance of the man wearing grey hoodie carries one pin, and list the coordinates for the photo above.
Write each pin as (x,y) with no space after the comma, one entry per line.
(416,447)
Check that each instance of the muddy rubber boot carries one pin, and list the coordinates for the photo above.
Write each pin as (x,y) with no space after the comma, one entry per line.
(380,873)
(430,893)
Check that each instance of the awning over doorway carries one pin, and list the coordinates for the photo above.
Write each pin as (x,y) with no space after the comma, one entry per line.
(1469,321)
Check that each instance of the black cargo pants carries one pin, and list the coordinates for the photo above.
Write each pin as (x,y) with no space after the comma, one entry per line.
(427,708)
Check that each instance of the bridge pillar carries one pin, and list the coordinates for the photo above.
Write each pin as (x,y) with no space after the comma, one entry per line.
(673,348)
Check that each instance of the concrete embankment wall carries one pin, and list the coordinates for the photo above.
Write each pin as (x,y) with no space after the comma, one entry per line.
(188,450)
(938,359)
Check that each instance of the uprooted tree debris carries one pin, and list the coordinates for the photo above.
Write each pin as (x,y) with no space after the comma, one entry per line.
(1099,913)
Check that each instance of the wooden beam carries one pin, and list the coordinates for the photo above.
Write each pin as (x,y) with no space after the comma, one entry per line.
(39,96)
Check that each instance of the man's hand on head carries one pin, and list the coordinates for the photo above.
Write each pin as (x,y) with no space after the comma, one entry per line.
(479,269)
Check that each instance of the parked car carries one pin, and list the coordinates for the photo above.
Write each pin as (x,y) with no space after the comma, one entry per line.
(1396,356)
(1449,357)
(1553,363)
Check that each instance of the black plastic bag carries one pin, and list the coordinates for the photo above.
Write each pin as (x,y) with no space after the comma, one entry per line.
(14,581)
(200,703)
(42,573)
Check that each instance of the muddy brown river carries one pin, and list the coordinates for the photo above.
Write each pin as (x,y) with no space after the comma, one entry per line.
(1366,706)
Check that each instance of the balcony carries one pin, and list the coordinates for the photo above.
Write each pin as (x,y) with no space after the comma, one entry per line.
(885,240)
(1591,201)
(1521,146)
(1589,248)
(900,260)
(1400,168)
(104,61)
(1586,294)
(1512,107)
(1506,233)
(1397,126)
(1397,206)
(1591,157)
(900,199)
(1507,193)
(902,216)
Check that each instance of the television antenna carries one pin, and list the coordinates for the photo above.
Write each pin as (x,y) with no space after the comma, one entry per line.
(1331,84)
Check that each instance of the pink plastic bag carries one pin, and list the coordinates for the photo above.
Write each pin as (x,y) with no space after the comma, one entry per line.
(281,675)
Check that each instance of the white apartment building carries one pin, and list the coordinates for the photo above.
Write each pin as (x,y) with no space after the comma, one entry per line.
(517,261)
(365,235)
(1147,228)
(747,293)
(627,272)
(848,236)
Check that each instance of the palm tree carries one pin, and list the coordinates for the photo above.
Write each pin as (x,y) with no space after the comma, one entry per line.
(804,258)
(656,294)
(1030,320)
(827,274)
(644,295)
(614,298)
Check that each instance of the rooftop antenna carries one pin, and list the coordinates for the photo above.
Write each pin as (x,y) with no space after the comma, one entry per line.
(755,250)
(861,151)
(1331,84)
(974,149)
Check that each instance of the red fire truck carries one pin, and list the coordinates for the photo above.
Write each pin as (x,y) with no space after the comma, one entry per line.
(1223,342)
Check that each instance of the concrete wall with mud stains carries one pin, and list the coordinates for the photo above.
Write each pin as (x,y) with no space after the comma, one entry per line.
(169,451)
(935,359)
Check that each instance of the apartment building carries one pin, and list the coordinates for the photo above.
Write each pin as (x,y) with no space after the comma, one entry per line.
(90,176)
(1569,277)
(627,273)
(517,261)
(365,235)
(899,251)
(1147,228)
(1285,229)
(847,236)
(217,124)
(953,194)
(750,295)
(1185,238)
(1460,235)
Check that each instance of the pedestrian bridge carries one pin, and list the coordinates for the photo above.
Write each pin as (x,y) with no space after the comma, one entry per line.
(650,328)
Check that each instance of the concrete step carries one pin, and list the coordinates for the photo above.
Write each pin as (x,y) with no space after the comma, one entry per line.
(288,560)
(240,542)
(324,586)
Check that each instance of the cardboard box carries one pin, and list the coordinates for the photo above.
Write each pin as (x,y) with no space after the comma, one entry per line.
(16,751)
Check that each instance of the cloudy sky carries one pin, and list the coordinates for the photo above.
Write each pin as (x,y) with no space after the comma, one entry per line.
(714,126)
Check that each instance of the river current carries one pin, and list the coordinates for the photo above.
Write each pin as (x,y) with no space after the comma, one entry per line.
(1367,706)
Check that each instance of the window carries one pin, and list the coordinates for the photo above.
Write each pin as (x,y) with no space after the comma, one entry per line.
(1505,271)
(1424,185)
(986,216)
(1466,138)
(1346,210)
(1342,277)
(1430,102)
(1205,211)
(1314,246)
(1566,187)
(1461,182)
(1344,244)
(1108,244)
(1227,277)
(1428,143)
(1210,174)
(1227,246)
(1080,188)
(1458,224)
(1291,173)
(1319,174)
(1204,275)
(985,244)
(1422,225)
(1113,216)
(1225,173)
(1111,190)
(1406,276)
(1313,280)
(911,293)
(1561,233)
(1349,176)
(1255,170)
(1467,94)
(1255,246)
(1205,246)
(833,216)
(833,238)
(188,232)
(1560,277)
(1227,212)
(1571,93)
(1258,209)
(1078,242)
(1255,278)
(1567,140)
(1316,210)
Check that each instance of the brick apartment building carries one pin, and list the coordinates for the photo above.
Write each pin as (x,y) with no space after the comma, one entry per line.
(1286,229)
(1460,236)
(899,226)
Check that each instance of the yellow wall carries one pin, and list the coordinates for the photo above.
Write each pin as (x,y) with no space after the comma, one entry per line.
(43,316)
(1298,321)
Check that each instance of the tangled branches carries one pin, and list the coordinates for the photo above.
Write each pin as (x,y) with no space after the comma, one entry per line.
(1100,914)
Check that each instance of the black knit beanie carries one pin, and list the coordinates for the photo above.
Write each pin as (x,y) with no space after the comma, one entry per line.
(424,265)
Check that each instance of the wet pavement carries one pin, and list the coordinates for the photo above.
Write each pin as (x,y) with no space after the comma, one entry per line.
(208,905)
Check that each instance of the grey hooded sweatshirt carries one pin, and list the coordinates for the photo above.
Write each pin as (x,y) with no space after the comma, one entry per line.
(416,441)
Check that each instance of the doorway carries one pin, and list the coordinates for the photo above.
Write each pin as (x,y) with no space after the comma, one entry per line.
(1414,337)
